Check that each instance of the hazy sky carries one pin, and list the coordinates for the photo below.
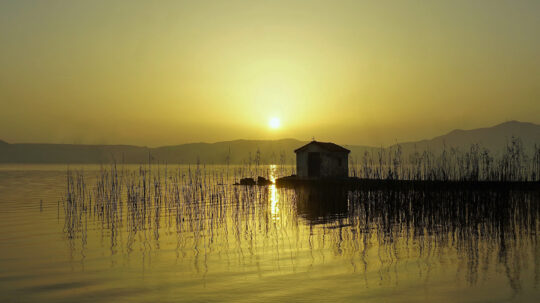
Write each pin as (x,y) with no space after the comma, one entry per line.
(358,72)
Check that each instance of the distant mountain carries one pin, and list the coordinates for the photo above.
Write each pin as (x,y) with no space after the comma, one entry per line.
(245,151)
(239,151)
(493,138)
(234,152)
(70,153)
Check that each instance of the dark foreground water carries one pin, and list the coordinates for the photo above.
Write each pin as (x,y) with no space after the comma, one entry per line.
(185,234)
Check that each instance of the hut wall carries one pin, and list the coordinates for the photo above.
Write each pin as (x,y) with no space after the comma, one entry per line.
(302,164)
(333,164)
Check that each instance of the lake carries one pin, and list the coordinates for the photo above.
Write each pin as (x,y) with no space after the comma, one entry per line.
(186,234)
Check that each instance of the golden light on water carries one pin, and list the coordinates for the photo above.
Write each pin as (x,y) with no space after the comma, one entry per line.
(273,194)
(190,98)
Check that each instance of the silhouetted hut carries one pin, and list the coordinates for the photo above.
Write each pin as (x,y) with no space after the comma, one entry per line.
(322,160)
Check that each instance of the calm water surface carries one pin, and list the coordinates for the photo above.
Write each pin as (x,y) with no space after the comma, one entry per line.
(185,234)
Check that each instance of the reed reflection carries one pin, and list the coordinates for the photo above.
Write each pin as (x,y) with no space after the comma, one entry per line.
(215,226)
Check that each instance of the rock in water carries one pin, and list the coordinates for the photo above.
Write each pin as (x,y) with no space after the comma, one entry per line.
(247,181)
(261,181)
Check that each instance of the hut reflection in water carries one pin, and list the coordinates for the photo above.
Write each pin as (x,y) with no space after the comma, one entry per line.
(215,227)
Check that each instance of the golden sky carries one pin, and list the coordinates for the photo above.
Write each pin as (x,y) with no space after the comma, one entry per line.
(357,72)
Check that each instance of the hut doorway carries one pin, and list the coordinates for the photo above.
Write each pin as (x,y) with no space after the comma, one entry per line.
(314,164)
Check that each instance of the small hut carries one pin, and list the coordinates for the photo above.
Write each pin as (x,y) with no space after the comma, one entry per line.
(322,160)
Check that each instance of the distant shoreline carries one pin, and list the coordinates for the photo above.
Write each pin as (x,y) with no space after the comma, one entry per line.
(495,139)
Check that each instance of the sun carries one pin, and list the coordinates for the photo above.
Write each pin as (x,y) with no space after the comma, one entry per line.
(274,123)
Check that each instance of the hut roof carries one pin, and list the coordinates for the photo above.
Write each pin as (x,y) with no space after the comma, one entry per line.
(331,147)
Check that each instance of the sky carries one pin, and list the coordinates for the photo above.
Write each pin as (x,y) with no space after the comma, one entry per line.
(353,72)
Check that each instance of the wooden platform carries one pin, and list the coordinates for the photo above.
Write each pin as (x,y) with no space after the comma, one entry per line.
(375,184)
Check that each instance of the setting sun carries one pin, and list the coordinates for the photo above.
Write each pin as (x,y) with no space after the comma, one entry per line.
(292,150)
(274,123)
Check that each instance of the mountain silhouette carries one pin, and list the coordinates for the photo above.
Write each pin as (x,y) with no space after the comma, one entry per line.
(250,151)
(494,138)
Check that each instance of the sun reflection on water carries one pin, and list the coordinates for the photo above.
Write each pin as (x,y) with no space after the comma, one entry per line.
(214,232)
(273,194)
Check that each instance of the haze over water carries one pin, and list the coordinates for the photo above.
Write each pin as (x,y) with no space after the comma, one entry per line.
(431,107)
(195,237)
